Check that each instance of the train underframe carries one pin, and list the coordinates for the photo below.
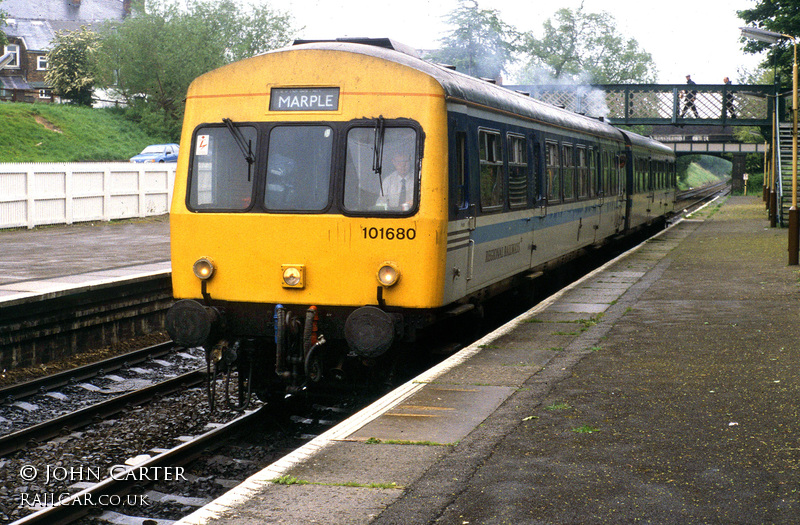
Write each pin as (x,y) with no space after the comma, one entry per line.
(284,349)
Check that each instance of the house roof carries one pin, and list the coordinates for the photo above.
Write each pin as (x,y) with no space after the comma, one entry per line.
(14,82)
(85,11)
(37,22)
(37,33)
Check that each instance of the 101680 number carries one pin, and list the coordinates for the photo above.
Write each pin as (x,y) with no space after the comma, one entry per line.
(389,234)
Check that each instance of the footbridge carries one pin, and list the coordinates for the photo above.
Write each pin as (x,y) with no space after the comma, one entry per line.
(695,119)
(665,104)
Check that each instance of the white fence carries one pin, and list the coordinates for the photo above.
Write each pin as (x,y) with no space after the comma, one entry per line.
(62,193)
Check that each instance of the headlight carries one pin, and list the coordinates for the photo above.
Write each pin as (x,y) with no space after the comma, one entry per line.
(388,274)
(293,275)
(203,268)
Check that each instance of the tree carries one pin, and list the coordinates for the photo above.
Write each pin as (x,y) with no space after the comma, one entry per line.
(3,16)
(578,46)
(72,65)
(480,45)
(779,16)
(151,58)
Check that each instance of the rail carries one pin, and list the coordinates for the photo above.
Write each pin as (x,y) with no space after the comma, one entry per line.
(82,373)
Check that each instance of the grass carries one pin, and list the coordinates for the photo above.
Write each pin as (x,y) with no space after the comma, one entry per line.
(291,480)
(586,429)
(376,441)
(696,176)
(64,133)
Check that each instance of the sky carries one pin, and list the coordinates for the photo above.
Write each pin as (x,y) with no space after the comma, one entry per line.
(696,37)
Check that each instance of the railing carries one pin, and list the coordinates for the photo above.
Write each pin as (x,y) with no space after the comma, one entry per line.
(62,193)
(663,104)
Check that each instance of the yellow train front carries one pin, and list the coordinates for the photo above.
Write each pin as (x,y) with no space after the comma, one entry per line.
(296,223)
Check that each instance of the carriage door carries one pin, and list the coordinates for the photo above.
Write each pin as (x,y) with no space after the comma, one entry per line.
(461,222)
(650,166)
(620,187)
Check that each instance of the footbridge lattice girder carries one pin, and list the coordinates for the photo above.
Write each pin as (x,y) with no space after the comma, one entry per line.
(664,104)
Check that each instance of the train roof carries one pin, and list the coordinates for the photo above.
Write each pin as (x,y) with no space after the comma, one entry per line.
(459,87)
(646,142)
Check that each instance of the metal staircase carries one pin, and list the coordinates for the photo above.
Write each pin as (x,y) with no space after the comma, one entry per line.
(784,172)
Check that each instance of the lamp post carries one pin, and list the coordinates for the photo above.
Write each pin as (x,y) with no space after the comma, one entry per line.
(771,37)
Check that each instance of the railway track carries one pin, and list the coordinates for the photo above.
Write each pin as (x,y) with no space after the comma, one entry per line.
(44,384)
(38,410)
(123,480)
(77,419)
(165,485)
(689,198)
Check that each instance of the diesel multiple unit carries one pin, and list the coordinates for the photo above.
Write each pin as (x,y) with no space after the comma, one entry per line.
(337,198)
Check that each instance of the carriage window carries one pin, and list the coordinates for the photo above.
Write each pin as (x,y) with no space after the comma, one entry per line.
(381,170)
(298,168)
(221,177)
(568,172)
(491,155)
(583,173)
(517,171)
(553,173)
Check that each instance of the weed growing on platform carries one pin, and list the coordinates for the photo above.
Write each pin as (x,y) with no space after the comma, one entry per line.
(289,480)
(559,406)
(376,441)
(586,429)
(390,485)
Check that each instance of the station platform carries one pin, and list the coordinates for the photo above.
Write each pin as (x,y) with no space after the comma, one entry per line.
(54,260)
(662,388)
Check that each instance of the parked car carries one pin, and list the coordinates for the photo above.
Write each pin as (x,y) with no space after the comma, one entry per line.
(158,153)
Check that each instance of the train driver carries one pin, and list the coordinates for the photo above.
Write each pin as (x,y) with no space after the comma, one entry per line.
(398,186)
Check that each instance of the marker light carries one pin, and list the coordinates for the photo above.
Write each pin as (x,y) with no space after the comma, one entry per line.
(293,275)
(203,268)
(388,274)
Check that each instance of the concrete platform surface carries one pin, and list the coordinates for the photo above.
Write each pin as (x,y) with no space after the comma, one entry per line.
(663,388)
(52,259)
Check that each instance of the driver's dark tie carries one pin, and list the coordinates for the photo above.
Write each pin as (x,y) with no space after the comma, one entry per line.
(403,195)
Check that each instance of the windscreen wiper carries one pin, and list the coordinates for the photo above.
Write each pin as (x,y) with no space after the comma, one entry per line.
(377,150)
(244,145)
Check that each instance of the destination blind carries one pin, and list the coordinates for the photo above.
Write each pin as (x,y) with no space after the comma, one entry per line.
(304,99)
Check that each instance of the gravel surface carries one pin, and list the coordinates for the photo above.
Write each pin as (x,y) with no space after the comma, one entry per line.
(99,447)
